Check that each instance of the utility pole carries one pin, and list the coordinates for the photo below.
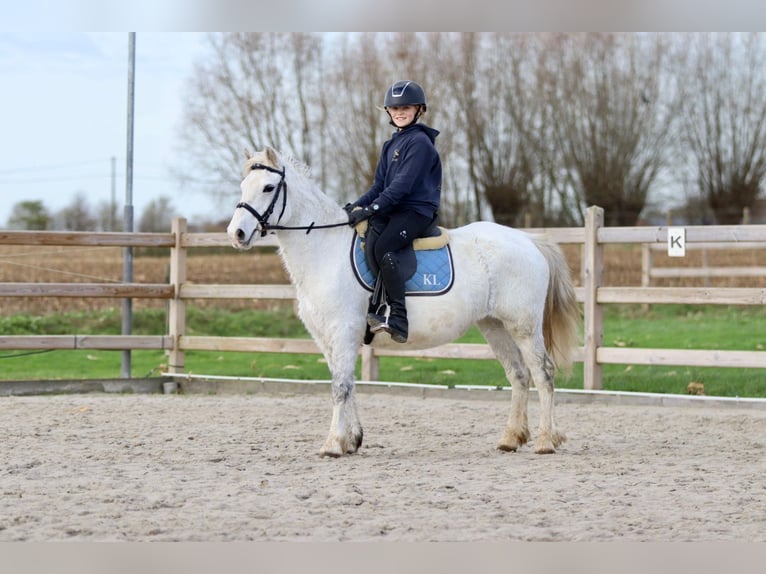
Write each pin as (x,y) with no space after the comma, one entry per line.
(113,202)
(127,260)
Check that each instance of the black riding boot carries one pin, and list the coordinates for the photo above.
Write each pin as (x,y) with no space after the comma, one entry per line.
(393,282)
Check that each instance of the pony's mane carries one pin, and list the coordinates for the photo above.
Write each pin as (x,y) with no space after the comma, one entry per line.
(297,165)
(288,160)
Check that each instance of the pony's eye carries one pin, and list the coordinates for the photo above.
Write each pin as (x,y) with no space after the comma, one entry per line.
(268,189)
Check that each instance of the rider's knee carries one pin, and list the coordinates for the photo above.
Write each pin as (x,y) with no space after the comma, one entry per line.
(388,260)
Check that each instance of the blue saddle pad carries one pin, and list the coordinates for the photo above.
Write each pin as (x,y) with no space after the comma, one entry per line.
(434,274)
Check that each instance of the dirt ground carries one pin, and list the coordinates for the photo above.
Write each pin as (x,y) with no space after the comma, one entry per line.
(102,467)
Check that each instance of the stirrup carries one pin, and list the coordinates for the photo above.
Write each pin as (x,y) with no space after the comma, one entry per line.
(377,322)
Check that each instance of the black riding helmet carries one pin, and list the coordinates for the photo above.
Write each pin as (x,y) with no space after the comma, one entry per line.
(405,93)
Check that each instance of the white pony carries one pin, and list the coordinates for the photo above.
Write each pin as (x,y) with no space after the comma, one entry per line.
(515,287)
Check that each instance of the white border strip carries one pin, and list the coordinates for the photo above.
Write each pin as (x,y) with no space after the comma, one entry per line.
(296,381)
(619,396)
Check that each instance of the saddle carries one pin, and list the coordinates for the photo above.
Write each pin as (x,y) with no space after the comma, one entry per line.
(426,264)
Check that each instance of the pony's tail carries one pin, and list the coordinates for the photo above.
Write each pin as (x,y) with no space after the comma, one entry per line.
(562,317)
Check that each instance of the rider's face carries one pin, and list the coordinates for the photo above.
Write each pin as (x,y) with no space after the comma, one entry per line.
(402,115)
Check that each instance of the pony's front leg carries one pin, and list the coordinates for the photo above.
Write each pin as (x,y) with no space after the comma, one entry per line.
(339,332)
(346,432)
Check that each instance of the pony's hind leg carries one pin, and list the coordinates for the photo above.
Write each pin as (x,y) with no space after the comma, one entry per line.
(542,370)
(507,352)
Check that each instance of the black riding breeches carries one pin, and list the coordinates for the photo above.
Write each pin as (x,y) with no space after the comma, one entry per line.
(401,229)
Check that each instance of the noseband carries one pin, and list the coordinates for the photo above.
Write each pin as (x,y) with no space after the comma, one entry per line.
(263,219)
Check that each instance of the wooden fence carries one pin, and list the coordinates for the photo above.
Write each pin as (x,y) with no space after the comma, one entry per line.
(593,295)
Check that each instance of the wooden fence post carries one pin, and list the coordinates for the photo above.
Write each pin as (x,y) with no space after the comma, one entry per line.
(647,260)
(370,364)
(593,270)
(177,306)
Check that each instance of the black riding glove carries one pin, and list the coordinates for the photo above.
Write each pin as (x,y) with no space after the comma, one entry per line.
(358,215)
(349,207)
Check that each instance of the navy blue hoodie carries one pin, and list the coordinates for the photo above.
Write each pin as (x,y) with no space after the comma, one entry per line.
(409,173)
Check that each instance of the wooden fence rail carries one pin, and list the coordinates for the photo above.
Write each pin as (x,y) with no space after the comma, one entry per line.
(649,270)
(593,294)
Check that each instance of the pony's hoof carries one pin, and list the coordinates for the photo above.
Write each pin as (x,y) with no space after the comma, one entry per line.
(547,443)
(328,452)
(512,440)
(331,448)
(336,448)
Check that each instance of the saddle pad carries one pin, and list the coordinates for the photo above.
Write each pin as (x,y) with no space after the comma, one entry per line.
(434,274)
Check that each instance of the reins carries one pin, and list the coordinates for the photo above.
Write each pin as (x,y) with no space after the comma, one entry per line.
(263,219)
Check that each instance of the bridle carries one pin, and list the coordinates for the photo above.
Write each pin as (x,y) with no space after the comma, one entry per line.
(263,218)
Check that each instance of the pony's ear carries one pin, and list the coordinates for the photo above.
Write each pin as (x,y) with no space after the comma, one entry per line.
(271,156)
(248,155)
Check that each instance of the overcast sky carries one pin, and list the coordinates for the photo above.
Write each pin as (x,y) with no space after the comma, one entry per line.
(63,116)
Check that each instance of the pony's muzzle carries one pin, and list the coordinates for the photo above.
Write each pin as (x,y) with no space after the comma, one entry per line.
(240,237)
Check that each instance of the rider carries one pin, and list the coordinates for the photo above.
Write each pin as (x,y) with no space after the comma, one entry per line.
(404,197)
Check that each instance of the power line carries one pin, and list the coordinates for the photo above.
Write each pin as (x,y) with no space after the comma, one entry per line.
(39,167)
(17,177)
(78,177)
(49,179)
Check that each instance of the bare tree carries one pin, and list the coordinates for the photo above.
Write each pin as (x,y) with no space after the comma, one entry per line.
(157,216)
(77,216)
(458,95)
(357,125)
(255,89)
(611,124)
(508,117)
(725,119)
(106,217)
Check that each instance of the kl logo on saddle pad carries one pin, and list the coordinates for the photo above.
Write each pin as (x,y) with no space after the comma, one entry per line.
(434,274)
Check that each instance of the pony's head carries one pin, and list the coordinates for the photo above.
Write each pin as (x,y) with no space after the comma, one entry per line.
(263,198)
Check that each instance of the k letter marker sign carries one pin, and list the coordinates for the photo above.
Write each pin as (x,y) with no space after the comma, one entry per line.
(676,241)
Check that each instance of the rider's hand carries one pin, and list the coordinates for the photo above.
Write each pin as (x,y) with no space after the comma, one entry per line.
(358,215)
